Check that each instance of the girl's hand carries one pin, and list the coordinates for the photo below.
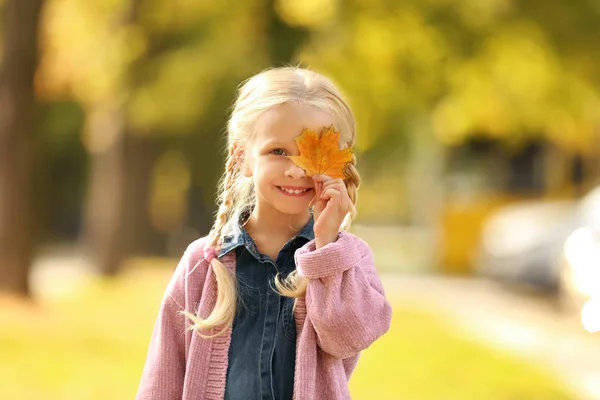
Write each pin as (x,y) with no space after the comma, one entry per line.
(331,207)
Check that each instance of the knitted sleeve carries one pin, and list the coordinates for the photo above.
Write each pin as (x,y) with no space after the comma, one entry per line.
(345,299)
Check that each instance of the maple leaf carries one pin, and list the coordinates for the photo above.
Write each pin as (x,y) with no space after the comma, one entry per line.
(322,155)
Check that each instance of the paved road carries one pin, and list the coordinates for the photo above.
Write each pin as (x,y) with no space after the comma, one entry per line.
(521,322)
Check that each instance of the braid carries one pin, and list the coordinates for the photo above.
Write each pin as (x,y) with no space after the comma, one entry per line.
(226,202)
(352,184)
(223,313)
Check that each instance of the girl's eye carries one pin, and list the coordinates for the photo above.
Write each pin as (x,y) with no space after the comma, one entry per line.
(276,150)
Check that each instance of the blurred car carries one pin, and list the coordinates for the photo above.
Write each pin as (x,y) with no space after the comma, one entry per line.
(579,267)
(520,243)
(579,263)
(525,243)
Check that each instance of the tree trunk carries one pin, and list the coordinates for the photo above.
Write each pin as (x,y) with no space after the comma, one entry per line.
(142,150)
(103,233)
(105,227)
(17,69)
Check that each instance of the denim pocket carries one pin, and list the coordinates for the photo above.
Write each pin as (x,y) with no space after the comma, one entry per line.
(289,323)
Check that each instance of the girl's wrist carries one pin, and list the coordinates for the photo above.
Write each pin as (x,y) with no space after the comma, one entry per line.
(323,241)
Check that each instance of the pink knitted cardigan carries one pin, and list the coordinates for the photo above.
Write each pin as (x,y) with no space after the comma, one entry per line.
(343,312)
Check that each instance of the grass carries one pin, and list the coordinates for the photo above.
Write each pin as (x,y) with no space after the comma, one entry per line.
(422,357)
(93,346)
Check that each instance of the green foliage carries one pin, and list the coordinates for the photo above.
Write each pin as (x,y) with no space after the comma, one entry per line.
(500,68)
(444,70)
(504,68)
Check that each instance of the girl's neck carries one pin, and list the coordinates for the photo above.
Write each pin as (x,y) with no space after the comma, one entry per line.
(273,224)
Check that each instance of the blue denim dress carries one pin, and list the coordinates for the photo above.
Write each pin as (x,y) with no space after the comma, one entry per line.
(262,353)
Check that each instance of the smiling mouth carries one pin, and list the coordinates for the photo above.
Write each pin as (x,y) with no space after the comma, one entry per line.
(295,192)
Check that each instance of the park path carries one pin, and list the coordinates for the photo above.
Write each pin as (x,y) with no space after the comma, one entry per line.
(520,322)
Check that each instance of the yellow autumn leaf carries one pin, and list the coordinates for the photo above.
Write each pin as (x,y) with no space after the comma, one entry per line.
(322,155)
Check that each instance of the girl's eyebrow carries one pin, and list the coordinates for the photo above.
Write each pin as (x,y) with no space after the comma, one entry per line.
(276,143)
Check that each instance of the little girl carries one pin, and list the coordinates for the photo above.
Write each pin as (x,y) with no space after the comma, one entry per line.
(281,297)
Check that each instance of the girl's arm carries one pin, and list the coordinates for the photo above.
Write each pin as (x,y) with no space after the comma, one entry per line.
(345,299)
(164,370)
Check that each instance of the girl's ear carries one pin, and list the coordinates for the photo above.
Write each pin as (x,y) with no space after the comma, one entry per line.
(246,169)
(242,160)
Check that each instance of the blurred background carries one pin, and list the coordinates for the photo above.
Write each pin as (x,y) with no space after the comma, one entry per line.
(478,144)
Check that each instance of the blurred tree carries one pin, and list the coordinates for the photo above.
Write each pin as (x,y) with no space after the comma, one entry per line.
(17,69)
(420,75)
(104,232)
(61,170)
(151,84)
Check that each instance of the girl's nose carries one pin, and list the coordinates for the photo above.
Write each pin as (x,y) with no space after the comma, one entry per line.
(295,171)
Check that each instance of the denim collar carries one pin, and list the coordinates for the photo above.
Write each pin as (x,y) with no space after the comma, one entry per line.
(235,235)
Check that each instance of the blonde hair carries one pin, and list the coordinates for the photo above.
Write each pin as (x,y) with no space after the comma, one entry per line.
(257,95)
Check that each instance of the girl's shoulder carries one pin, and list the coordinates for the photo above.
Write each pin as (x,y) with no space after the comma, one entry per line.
(192,258)
(195,254)
(196,248)
(190,271)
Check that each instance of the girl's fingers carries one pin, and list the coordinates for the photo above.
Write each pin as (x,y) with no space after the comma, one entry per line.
(332,188)
(331,193)
(318,191)
(320,177)
(327,181)
(334,197)
(333,183)
(319,188)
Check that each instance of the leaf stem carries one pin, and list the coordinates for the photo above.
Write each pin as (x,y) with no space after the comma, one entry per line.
(317,194)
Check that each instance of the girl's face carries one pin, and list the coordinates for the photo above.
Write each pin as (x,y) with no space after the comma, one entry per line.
(272,172)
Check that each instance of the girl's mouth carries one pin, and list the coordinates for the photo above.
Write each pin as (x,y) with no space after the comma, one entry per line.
(295,192)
